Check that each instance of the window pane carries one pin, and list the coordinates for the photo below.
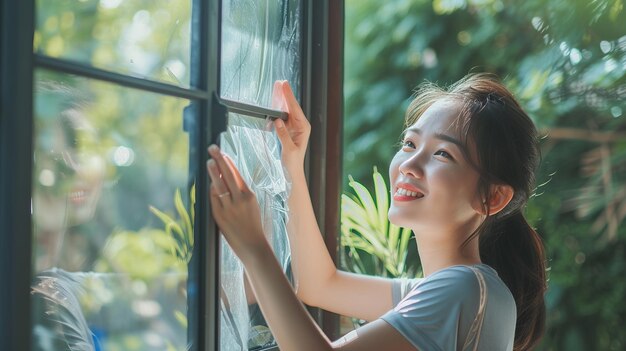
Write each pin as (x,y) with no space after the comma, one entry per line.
(260,44)
(112,217)
(256,152)
(147,38)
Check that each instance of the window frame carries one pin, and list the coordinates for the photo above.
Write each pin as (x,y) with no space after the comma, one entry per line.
(322,81)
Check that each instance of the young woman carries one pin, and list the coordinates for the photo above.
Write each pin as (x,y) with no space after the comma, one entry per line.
(460,181)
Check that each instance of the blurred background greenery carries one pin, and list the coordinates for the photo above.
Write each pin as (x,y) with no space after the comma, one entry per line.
(566,62)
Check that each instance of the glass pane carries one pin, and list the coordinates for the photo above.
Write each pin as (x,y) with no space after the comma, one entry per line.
(112,217)
(242,325)
(260,44)
(146,38)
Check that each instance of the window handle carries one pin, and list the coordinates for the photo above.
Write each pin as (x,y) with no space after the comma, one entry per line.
(252,110)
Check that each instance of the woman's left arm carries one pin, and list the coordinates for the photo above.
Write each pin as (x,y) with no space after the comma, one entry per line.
(237,214)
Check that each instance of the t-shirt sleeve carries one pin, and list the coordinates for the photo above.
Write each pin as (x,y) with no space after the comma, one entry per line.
(437,313)
(400,287)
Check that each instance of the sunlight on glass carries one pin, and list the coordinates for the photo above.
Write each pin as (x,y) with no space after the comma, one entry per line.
(154,340)
(176,69)
(110,4)
(147,308)
(47,177)
(123,156)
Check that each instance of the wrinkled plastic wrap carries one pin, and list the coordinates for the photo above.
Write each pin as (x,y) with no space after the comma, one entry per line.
(256,152)
(260,44)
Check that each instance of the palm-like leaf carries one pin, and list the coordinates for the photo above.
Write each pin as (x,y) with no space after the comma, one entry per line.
(367,234)
(181,230)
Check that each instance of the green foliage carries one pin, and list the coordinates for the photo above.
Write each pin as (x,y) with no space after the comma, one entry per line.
(566,62)
(180,230)
(143,255)
(374,245)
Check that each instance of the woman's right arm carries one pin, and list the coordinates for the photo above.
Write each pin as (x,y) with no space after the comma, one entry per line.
(318,282)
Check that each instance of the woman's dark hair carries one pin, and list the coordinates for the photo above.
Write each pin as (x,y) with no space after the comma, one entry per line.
(505,139)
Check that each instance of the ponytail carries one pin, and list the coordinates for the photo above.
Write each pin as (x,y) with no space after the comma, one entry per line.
(515,251)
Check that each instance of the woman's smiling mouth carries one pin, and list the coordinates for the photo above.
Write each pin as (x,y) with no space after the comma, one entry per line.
(404,194)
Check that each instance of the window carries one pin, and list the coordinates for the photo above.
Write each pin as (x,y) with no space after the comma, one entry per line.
(105,228)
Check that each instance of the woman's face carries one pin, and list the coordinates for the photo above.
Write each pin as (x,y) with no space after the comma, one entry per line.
(68,179)
(433,185)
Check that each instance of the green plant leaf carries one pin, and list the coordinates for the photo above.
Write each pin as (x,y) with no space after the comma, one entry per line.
(182,212)
(367,201)
(382,201)
(367,233)
(393,235)
(352,210)
(162,216)
(181,318)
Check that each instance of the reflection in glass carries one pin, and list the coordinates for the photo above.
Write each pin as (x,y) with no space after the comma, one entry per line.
(255,150)
(147,38)
(260,44)
(112,217)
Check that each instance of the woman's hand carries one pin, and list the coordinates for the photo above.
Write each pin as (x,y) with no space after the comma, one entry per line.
(293,134)
(234,206)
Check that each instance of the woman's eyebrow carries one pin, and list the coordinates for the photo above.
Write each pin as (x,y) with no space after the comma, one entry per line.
(440,136)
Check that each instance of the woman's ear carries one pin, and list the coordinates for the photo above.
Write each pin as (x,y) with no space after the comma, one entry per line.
(499,196)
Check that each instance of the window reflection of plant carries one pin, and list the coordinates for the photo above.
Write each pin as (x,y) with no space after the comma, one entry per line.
(374,246)
(180,230)
(133,252)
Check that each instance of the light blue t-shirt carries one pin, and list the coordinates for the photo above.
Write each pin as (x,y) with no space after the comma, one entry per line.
(436,312)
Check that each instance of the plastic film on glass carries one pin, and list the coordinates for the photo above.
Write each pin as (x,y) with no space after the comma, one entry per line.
(255,150)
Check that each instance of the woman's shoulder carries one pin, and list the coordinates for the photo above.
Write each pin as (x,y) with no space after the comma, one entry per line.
(453,278)
(450,299)
(462,283)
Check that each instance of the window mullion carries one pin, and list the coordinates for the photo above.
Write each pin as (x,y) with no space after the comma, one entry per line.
(206,35)
(16,124)
(323,79)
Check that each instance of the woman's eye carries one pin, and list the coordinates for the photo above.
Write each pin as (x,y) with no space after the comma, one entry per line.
(408,143)
(444,153)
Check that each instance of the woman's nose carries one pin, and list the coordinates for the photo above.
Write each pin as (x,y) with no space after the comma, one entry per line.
(413,166)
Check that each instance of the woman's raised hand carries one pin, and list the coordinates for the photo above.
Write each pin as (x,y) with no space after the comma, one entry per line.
(294,133)
(234,206)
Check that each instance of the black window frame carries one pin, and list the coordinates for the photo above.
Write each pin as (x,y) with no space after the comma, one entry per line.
(322,81)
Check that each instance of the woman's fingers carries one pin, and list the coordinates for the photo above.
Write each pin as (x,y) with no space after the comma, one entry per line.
(218,188)
(241,183)
(278,100)
(293,107)
(227,176)
(224,170)
(283,134)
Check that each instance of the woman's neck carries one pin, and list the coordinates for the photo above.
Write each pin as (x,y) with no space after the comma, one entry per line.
(438,251)
(436,258)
